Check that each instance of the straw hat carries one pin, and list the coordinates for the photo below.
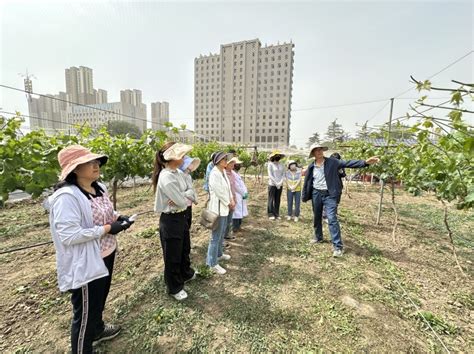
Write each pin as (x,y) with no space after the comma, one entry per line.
(276,153)
(176,151)
(316,145)
(72,156)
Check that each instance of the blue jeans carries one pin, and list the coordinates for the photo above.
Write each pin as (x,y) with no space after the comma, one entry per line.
(216,243)
(228,229)
(321,199)
(296,196)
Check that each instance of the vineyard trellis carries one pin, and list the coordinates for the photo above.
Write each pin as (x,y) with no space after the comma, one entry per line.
(440,162)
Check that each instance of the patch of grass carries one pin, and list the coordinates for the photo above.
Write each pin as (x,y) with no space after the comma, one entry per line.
(150,289)
(147,233)
(204,271)
(154,323)
(336,316)
(431,217)
(438,324)
(465,299)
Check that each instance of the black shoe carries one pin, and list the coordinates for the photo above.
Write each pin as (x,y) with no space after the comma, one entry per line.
(109,332)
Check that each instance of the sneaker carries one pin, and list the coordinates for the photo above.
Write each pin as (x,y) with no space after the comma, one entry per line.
(279,217)
(180,296)
(110,331)
(288,218)
(296,219)
(271,218)
(193,277)
(337,253)
(224,257)
(218,269)
(314,241)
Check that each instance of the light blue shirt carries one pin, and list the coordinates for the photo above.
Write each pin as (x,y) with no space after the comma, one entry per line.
(319,180)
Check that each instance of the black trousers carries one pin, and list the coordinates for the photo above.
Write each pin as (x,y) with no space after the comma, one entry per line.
(274,198)
(87,305)
(176,245)
(94,295)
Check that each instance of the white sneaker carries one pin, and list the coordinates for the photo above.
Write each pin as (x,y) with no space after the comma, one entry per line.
(288,218)
(218,269)
(180,296)
(224,257)
(279,218)
(337,253)
(271,218)
(296,219)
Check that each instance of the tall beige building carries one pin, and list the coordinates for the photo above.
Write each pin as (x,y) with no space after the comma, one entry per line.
(243,94)
(80,85)
(160,114)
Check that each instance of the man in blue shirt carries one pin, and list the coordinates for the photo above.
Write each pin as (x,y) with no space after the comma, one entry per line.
(322,185)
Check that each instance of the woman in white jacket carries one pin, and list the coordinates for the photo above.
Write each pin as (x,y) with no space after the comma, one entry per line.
(220,202)
(83,226)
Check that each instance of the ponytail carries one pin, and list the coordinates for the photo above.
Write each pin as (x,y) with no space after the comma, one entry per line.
(159,164)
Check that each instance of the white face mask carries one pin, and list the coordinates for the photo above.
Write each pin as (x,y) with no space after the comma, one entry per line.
(293,168)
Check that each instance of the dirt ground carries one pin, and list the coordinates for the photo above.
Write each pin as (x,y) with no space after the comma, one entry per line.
(280,292)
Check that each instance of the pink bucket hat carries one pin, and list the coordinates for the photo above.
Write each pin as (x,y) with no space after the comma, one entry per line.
(72,156)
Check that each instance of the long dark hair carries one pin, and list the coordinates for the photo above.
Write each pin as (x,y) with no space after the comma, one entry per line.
(159,163)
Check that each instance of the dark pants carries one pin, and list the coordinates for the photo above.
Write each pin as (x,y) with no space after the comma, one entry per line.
(323,199)
(176,244)
(189,216)
(274,197)
(87,305)
(236,224)
(109,263)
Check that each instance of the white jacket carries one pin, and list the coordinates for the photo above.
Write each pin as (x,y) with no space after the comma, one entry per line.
(75,238)
(220,192)
(241,210)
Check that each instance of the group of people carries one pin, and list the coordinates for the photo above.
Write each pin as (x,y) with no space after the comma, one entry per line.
(84,223)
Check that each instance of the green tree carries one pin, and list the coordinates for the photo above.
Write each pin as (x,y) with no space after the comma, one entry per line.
(335,132)
(120,127)
(313,139)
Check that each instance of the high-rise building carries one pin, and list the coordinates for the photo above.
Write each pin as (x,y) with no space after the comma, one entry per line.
(47,112)
(243,93)
(160,114)
(100,96)
(80,85)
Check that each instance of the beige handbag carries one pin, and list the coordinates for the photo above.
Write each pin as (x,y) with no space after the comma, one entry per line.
(209,219)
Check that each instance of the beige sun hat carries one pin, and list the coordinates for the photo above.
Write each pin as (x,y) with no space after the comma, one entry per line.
(316,145)
(176,151)
(236,160)
(72,156)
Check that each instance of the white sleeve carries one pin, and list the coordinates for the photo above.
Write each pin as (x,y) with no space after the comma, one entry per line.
(219,187)
(67,222)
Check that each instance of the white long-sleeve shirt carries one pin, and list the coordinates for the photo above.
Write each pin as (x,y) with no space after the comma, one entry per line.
(276,174)
(172,186)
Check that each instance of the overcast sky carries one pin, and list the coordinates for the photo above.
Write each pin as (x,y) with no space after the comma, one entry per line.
(345,51)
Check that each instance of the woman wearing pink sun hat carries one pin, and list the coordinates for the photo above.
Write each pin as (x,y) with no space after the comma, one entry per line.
(84,226)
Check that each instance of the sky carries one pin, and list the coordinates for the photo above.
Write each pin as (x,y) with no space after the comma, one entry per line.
(345,51)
